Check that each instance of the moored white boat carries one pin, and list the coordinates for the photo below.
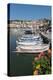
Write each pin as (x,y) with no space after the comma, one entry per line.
(31,43)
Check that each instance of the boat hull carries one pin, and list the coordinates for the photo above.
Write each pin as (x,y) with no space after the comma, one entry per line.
(33,49)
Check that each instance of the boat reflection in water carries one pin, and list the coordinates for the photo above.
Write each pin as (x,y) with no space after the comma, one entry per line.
(31,43)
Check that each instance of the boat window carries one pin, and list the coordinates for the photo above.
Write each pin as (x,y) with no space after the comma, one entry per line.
(28,32)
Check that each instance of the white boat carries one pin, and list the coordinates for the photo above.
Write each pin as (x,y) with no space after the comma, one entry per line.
(31,43)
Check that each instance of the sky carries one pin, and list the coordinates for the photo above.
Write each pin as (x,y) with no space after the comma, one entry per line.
(28,12)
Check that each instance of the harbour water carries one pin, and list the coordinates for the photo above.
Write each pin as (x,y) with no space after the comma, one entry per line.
(19,64)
